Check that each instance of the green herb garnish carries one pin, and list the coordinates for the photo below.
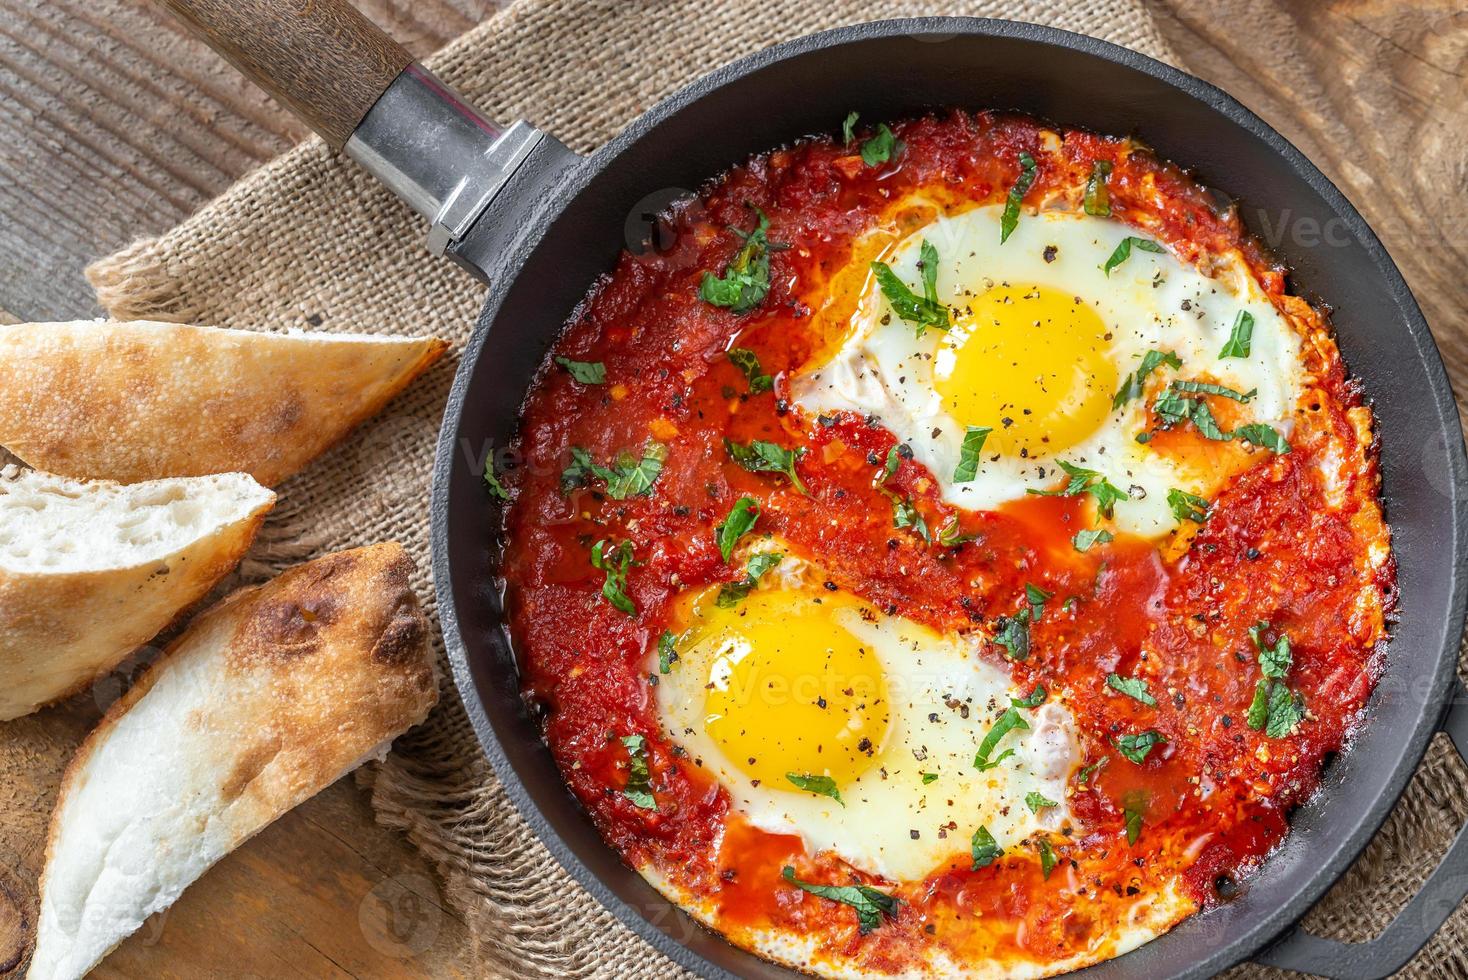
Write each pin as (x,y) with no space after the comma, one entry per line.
(848,128)
(1133,384)
(922,311)
(819,785)
(929,777)
(1186,506)
(614,561)
(1098,198)
(1008,722)
(1136,747)
(667,653)
(1275,710)
(1047,858)
(1033,700)
(1238,340)
(1133,808)
(1037,801)
(741,518)
(1087,481)
(1264,436)
(1132,687)
(870,904)
(628,476)
(968,453)
(733,593)
(639,778)
(748,362)
(984,848)
(768,457)
(881,147)
(1010,219)
(496,488)
(1037,597)
(1083,540)
(1013,634)
(586,372)
(1124,251)
(746,280)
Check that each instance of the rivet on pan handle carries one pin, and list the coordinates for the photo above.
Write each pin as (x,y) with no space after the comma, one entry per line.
(1383,956)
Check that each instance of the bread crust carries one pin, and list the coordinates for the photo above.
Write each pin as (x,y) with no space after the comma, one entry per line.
(142,400)
(269,697)
(59,631)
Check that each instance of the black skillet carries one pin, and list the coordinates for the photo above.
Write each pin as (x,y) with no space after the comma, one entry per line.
(541,223)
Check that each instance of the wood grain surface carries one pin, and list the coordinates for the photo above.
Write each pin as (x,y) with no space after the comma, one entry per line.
(116,124)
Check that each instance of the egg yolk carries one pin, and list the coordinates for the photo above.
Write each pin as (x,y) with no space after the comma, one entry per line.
(791,691)
(1030,362)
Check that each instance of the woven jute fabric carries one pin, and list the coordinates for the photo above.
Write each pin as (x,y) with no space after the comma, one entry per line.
(310,241)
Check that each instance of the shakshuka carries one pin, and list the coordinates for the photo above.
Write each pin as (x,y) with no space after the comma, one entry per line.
(951,550)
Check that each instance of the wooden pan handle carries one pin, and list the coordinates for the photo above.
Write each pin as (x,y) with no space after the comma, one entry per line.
(326,62)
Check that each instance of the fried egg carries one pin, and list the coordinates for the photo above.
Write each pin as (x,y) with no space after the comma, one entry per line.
(1041,341)
(822,716)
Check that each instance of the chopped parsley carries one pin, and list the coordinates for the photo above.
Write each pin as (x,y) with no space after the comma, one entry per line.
(639,777)
(614,561)
(1083,777)
(732,594)
(1135,748)
(1008,722)
(1132,687)
(922,311)
(819,785)
(1097,201)
(951,535)
(1133,806)
(1264,436)
(1133,384)
(1047,858)
(1037,597)
(905,515)
(628,476)
(1010,219)
(929,777)
(1083,540)
(492,483)
(968,453)
(1186,506)
(1238,340)
(1038,801)
(1013,634)
(748,362)
(1087,481)
(741,518)
(586,372)
(667,652)
(881,147)
(768,457)
(870,904)
(1124,251)
(984,848)
(1275,710)
(1033,700)
(746,280)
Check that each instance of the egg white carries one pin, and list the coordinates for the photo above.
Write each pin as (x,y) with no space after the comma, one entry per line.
(1151,301)
(944,698)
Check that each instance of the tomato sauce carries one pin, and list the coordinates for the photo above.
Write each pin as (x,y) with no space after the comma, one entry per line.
(1297,541)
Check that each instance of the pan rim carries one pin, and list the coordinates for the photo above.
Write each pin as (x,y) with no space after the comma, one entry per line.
(1342,854)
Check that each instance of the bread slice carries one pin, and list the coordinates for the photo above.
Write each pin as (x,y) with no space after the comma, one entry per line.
(132,401)
(267,699)
(89,571)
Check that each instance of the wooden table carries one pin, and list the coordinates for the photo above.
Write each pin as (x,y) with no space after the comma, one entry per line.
(115,125)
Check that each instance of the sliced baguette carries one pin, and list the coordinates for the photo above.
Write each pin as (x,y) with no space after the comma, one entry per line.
(268,698)
(132,401)
(89,571)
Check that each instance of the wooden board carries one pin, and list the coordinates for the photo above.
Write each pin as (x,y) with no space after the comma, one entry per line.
(116,124)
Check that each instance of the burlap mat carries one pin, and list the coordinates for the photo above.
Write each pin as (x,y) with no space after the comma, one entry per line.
(310,241)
